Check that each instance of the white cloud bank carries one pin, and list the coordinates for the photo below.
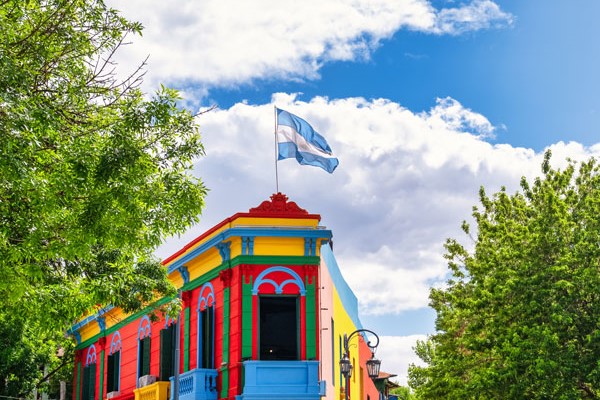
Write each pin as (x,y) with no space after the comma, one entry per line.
(228,42)
(405,183)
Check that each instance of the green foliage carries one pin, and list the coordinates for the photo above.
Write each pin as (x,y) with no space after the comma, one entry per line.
(403,393)
(93,173)
(520,317)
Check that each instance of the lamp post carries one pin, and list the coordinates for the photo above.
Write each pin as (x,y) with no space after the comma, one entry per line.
(373,364)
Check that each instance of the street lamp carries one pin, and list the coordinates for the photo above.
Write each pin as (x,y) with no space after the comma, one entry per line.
(373,364)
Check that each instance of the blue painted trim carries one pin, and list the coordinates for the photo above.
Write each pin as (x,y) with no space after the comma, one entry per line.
(90,357)
(261,279)
(205,299)
(252,232)
(349,300)
(101,323)
(144,328)
(87,320)
(310,247)
(115,343)
(248,245)
(77,336)
(251,246)
(185,275)
(224,250)
(169,321)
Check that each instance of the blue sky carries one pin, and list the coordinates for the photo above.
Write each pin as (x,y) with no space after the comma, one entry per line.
(422,101)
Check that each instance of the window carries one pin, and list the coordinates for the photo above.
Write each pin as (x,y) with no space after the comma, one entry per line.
(206,327)
(206,337)
(144,332)
(144,357)
(89,382)
(168,338)
(113,364)
(89,375)
(278,328)
(112,374)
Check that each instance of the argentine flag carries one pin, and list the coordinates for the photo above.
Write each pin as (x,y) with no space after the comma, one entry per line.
(297,139)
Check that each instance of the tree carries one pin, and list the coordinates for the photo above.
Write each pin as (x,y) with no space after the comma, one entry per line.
(520,316)
(94,174)
(403,393)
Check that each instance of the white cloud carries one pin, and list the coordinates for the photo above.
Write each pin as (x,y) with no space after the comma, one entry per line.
(405,183)
(479,14)
(396,354)
(228,42)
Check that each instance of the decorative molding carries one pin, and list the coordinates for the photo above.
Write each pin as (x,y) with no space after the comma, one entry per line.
(186,297)
(225,276)
(101,323)
(278,205)
(224,250)
(206,296)
(77,336)
(102,342)
(248,245)
(262,278)
(90,357)
(115,343)
(145,328)
(185,275)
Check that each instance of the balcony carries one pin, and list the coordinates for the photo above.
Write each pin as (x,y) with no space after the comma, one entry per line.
(155,391)
(197,384)
(281,380)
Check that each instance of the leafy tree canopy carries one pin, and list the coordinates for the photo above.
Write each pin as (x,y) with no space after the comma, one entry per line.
(94,174)
(520,317)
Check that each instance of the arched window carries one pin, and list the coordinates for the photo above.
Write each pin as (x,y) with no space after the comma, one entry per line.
(113,369)
(280,293)
(144,334)
(206,327)
(168,337)
(89,374)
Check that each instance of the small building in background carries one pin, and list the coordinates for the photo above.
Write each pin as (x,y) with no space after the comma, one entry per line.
(265,311)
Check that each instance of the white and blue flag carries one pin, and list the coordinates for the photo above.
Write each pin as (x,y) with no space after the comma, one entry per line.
(297,139)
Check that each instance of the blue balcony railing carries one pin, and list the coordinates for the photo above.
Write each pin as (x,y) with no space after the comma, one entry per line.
(281,380)
(197,384)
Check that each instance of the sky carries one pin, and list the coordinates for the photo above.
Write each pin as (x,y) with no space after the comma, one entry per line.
(422,101)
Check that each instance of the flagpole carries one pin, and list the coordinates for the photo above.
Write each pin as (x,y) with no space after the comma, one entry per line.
(276,172)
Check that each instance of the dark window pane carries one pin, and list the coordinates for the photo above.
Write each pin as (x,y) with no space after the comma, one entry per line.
(278,328)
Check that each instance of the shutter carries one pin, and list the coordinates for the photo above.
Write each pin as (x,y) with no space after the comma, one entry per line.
(92,380)
(202,338)
(145,367)
(166,353)
(211,337)
(110,378)
(116,370)
(85,391)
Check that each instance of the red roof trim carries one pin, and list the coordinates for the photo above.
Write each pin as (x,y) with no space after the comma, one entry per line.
(278,207)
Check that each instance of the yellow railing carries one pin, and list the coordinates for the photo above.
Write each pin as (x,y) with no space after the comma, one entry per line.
(155,391)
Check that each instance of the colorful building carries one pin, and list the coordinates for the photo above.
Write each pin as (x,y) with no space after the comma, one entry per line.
(265,311)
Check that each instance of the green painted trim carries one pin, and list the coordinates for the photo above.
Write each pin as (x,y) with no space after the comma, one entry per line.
(311,322)
(78,385)
(224,383)
(186,340)
(226,326)
(121,324)
(214,273)
(246,319)
(101,374)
